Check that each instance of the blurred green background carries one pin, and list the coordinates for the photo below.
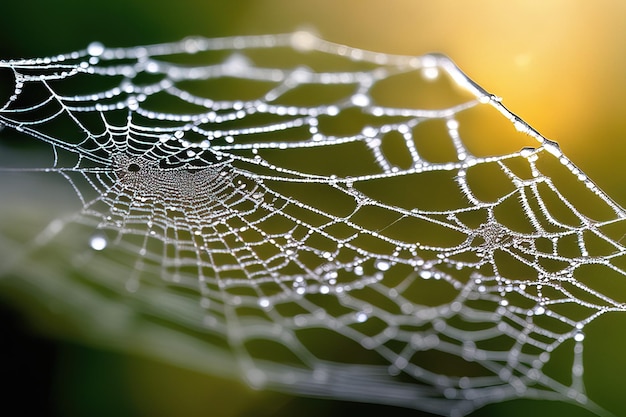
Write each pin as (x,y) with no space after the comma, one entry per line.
(558,64)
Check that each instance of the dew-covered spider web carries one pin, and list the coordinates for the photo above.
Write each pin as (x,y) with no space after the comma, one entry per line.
(334,222)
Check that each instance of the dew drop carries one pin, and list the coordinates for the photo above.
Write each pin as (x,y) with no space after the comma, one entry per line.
(382,265)
(430,73)
(527,151)
(369,131)
(95,49)
(304,41)
(426,274)
(520,126)
(361,317)
(360,100)
(452,124)
(98,242)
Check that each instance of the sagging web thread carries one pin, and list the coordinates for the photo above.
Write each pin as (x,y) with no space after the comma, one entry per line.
(346,223)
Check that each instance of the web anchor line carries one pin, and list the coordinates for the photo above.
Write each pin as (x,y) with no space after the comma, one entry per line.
(336,222)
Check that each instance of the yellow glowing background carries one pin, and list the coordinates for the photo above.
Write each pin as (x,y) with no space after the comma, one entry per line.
(560,65)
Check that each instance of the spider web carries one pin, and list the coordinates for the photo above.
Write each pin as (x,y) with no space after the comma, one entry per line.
(339,222)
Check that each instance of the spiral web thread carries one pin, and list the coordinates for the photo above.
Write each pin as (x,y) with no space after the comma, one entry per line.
(273,197)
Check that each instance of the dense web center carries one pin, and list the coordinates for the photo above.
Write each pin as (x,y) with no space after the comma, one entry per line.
(340,222)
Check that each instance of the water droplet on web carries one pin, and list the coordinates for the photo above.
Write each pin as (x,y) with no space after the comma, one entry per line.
(527,151)
(520,126)
(382,265)
(332,110)
(430,73)
(539,310)
(452,124)
(303,40)
(361,317)
(95,49)
(426,274)
(98,242)
(330,276)
(579,336)
(360,100)
(369,131)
